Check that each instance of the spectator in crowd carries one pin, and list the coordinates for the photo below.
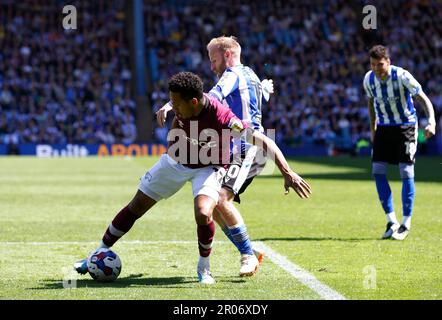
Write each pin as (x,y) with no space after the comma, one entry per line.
(64,86)
(60,86)
(315,51)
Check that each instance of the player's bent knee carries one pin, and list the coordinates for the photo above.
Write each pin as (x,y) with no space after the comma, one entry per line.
(202,220)
(406,170)
(204,206)
(203,215)
(379,168)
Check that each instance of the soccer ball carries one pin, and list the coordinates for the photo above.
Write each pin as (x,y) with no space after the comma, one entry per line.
(104,265)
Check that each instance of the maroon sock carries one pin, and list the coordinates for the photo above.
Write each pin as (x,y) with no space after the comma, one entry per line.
(205,238)
(121,224)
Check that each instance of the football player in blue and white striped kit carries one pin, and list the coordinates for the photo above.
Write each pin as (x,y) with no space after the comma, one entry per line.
(393,122)
(240,88)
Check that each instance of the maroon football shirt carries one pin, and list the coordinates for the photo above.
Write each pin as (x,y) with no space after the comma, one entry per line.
(205,139)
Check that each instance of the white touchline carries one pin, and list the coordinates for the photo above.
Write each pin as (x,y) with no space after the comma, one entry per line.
(303,276)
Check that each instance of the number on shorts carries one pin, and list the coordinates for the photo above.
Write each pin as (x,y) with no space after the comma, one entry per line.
(410,149)
(233,171)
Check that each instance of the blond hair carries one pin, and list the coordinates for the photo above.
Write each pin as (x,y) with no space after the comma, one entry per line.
(226,43)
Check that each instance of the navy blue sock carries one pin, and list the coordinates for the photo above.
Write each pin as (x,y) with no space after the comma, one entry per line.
(407,196)
(384,192)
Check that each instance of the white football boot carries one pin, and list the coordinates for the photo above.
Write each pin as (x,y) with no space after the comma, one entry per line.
(401,233)
(249,265)
(205,277)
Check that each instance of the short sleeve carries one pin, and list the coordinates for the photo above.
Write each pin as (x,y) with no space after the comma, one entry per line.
(410,83)
(228,83)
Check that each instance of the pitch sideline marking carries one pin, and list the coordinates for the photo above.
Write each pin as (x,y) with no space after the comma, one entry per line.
(300,274)
(294,270)
(43,243)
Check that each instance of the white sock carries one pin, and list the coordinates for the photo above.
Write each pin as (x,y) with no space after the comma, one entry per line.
(103,246)
(391,217)
(204,263)
(406,221)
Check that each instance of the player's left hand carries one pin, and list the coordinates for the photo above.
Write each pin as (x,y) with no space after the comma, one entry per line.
(294,181)
(430,130)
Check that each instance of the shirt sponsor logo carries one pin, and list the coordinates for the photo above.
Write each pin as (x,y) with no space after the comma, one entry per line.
(202,144)
(387,99)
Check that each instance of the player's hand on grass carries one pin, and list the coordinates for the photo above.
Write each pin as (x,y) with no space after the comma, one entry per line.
(294,181)
(162,114)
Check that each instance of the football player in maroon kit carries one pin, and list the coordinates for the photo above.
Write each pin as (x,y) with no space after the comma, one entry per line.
(199,148)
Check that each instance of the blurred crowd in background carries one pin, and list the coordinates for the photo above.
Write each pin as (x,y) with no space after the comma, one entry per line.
(64,86)
(61,86)
(315,51)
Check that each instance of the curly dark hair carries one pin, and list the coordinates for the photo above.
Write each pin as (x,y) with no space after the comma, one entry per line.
(379,52)
(187,84)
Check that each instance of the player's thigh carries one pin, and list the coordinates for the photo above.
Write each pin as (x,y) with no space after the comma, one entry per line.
(406,144)
(384,145)
(239,176)
(207,181)
(225,195)
(163,180)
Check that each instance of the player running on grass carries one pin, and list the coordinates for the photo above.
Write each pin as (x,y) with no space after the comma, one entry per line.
(243,92)
(196,153)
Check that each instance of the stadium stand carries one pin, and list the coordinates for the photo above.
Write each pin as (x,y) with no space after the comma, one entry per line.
(74,86)
(64,86)
(316,52)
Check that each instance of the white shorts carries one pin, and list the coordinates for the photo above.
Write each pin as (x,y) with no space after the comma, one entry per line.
(167,176)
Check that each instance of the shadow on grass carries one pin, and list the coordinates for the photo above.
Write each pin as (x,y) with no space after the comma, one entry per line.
(133,280)
(317,239)
(333,176)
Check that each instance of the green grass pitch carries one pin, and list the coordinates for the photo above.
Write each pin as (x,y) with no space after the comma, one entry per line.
(55,211)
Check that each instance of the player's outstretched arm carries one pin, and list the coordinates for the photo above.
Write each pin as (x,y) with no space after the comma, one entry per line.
(162,114)
(430,129)
(291,179)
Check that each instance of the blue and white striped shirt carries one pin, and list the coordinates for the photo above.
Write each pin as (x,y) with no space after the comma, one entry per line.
(392,97)
(240,88)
